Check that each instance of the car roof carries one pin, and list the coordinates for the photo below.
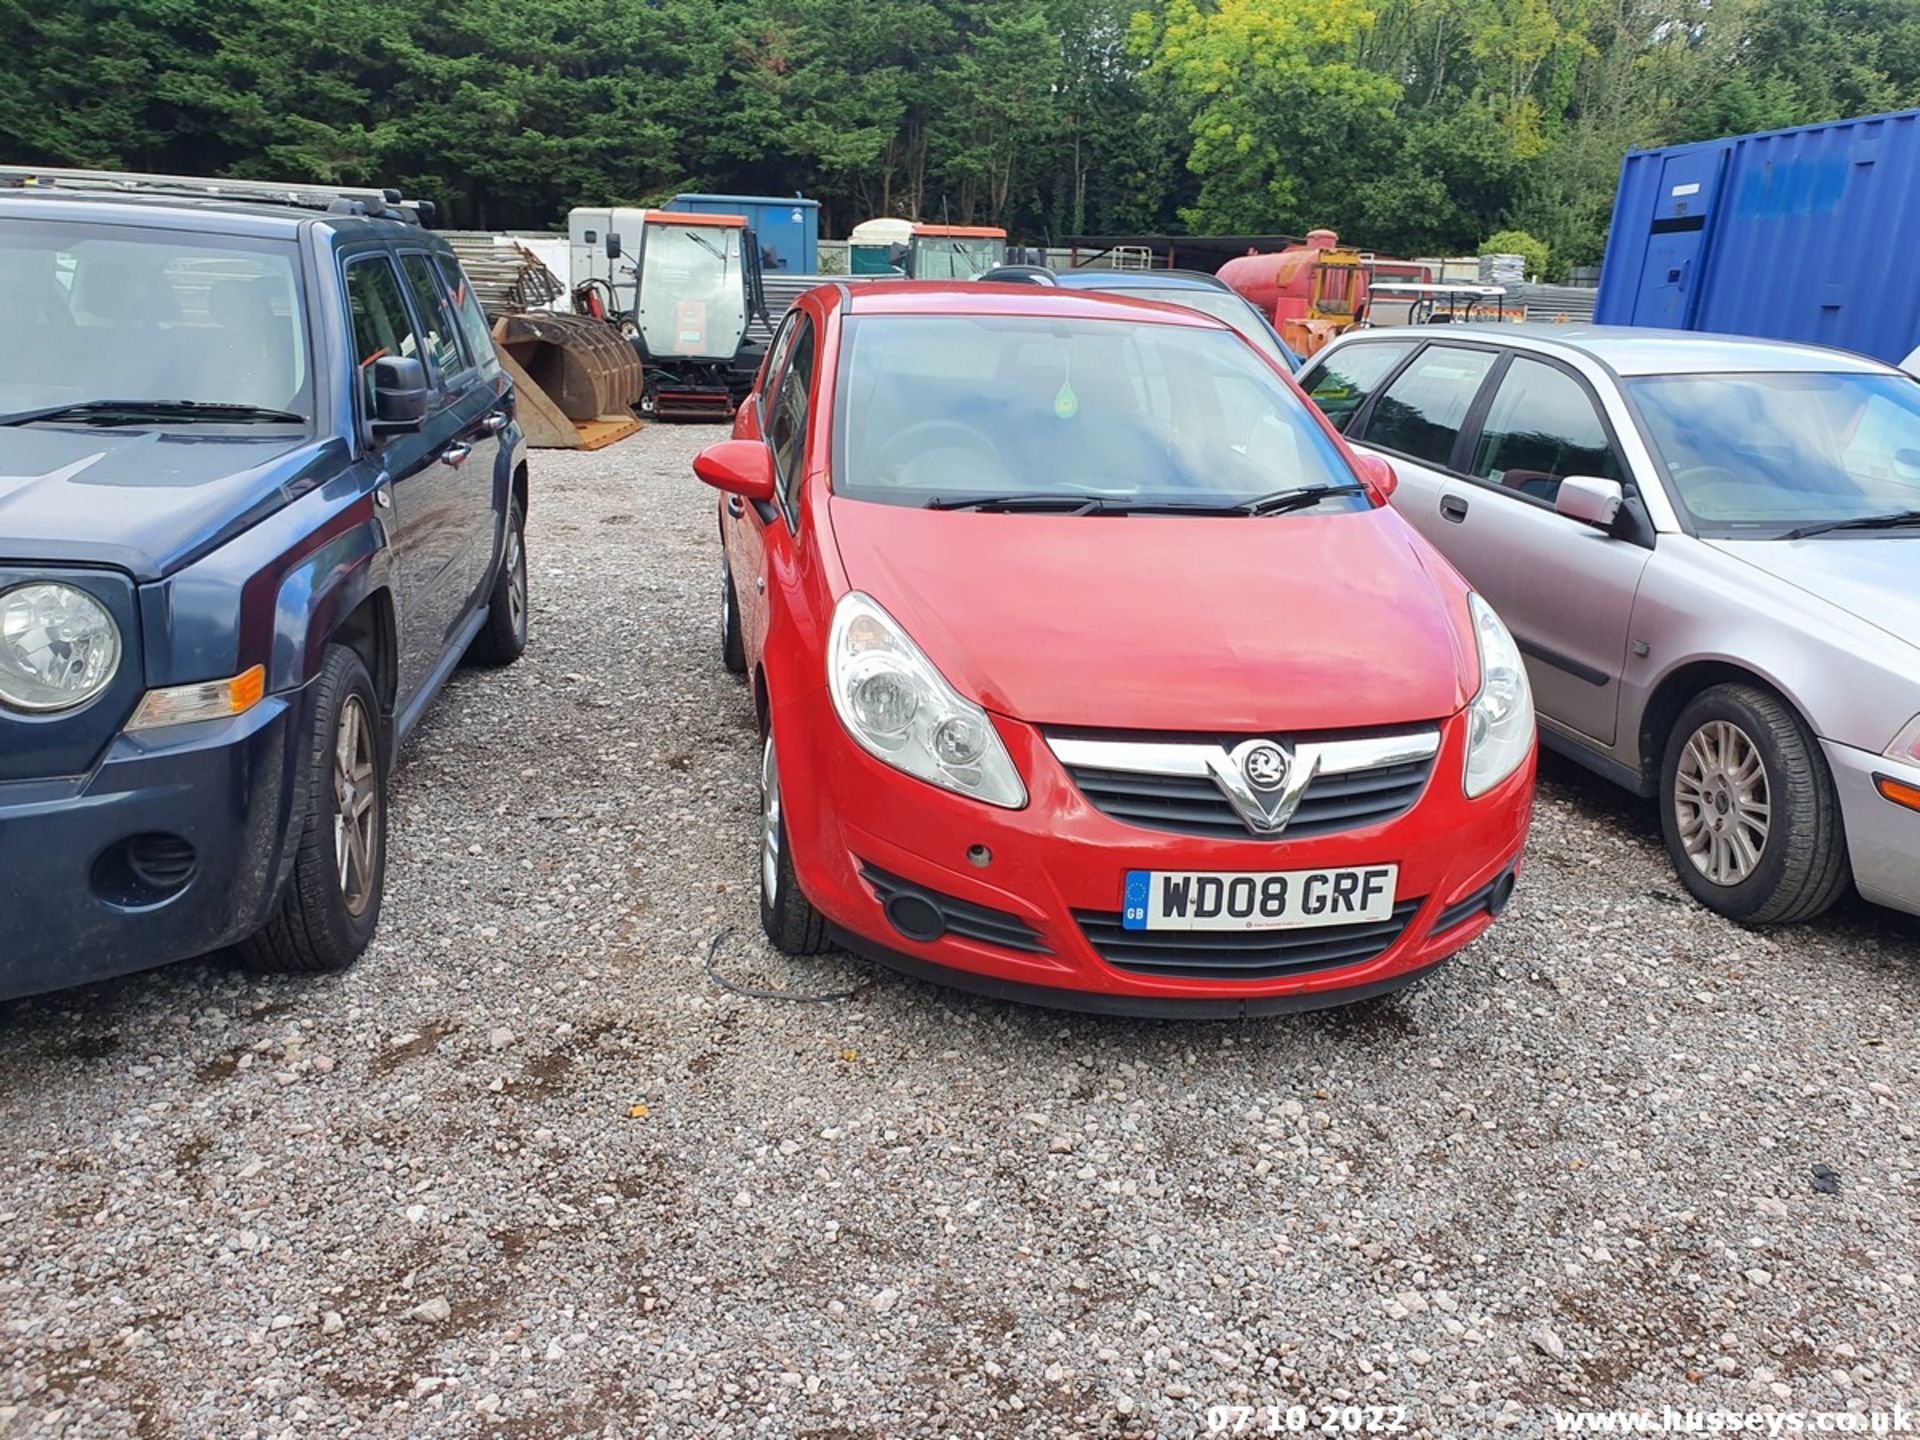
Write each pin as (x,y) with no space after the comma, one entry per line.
(208,215)
(1635,350)
(975,297)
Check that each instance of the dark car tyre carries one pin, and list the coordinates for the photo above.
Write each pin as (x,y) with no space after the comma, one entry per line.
(791,922)
(733,651)
(332,900)
(1751,820)
(503,639)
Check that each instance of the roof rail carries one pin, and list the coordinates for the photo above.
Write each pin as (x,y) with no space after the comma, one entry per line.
(334,199)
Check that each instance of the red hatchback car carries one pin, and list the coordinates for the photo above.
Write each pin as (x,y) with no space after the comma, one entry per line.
(1094,670)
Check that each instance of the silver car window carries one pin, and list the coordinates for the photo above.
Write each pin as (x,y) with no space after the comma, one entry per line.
(1419,415)
(1760,454)
(1541,428)
(1343,381)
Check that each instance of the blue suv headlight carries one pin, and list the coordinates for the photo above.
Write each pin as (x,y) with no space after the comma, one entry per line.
(58,648)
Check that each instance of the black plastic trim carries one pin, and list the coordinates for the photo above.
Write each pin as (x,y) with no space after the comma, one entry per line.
(962,918)
(1579,669)
(1242,954)
(1095,1002)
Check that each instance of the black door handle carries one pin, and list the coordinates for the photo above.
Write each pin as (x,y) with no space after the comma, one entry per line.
(736,507)
(1453,508)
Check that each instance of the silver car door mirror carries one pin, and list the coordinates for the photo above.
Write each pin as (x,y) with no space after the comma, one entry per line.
(1590,500)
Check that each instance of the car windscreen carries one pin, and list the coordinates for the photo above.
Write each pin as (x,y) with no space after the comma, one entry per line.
(692,297)
(1221,305)
(937,258)
(96,312)
(1756,455)
(941,407)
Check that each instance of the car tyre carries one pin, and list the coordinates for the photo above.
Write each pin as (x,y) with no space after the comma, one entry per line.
(331,905)
(733,650)
(1752,824)
(788,917)
(503,638)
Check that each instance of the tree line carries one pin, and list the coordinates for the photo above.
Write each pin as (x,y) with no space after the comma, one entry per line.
(1412,126)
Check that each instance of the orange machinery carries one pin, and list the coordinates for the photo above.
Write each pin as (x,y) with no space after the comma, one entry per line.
(1316,289)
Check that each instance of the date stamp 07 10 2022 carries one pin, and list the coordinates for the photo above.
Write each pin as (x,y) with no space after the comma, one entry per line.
(1253,1420)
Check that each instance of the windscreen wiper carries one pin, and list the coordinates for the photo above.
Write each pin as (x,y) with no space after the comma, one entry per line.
(1040,504)
(1896,521)
(132,412)
(1298,498)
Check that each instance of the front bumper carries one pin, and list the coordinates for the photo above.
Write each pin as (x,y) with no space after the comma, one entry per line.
(70,909)
(1058,866)
(1883,839)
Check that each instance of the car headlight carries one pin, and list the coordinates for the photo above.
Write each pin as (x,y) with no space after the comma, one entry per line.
(900,709)
(1906,745)
(1500,719)
(58,647)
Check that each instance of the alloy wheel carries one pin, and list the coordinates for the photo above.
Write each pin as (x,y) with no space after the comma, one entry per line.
(1722,802)
(769,824)
(356,795)
(516,580)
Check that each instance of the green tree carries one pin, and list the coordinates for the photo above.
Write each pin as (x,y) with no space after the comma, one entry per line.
(1285,123)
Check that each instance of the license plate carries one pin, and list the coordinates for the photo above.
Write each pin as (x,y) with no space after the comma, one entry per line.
(1258,900)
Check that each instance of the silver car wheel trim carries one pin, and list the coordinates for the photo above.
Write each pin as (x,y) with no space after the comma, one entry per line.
(726,600)
(516,580)
(1722,802)
(356,808)
(769,825)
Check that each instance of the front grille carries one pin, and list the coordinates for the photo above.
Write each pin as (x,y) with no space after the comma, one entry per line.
(1241,954)
(962,917)
(1178,795)
(1192,805)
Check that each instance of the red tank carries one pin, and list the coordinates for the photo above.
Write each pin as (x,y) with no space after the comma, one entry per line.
(1281,284)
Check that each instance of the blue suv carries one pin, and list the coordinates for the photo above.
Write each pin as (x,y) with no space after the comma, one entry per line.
(261,489)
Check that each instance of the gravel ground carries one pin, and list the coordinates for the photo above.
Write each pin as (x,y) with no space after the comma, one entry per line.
(526,1172)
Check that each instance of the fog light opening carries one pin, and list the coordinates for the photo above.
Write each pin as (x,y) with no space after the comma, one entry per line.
(916,917)
(1501,894)
(144,870)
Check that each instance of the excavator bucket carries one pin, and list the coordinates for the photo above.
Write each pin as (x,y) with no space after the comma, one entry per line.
(577,379)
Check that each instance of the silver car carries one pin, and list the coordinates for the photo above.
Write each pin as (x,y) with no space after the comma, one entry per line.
(1709,550)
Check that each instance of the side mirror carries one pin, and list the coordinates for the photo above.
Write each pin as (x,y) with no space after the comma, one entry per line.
(399,394)
(1590,500)
(613,246)
(739,467)
(1376,473)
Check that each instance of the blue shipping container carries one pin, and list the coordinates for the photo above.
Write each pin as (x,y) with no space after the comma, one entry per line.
(1810,234)
(788,229)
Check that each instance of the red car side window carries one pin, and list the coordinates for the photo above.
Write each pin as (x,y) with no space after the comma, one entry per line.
(792,404)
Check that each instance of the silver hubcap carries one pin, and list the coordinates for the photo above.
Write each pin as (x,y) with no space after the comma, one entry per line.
(726,601)
(356,813)
(769,824)
(516,580)
(1721,800)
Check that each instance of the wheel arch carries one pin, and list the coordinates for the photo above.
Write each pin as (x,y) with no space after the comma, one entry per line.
(1673,694)
(371,631)
(762,702)
(317,595)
